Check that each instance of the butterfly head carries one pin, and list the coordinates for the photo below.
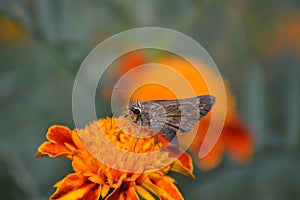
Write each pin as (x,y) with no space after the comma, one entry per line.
(135,110)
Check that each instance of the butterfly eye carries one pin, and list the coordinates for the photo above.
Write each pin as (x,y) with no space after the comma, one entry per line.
(136,111)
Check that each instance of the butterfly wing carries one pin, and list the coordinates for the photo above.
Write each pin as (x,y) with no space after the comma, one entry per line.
(170,135)
(178,115)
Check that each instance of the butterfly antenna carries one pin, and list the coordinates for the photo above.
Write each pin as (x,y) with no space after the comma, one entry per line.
(118,111)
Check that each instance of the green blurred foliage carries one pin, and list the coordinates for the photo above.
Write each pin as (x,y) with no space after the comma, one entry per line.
(254,43)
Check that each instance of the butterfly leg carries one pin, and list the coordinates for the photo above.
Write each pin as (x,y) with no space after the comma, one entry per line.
(138,135)
(126,126)
(111,118)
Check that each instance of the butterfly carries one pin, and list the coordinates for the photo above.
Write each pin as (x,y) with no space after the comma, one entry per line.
(169,117)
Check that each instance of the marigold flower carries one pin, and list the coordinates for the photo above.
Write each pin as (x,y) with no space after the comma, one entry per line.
(235,138)
(94,180)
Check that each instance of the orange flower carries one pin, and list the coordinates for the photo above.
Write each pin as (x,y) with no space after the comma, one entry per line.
(11,31)
(235,138)
(93,179)
(284,37)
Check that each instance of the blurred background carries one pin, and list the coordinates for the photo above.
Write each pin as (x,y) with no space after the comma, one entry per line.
(255,44)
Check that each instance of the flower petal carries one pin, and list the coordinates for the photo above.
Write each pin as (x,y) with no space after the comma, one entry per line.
(80,162)
(177,166)
(146,183)
(168,190)
(52,150)
(114,177)
(214,157)
(114,195)
(239,141)
(105,190)
(76,186)
(59,134)
(93,193)
(123,194)
(183,164)
(58,137)
(132,193)
(186,162)
(77,140)
(144,193)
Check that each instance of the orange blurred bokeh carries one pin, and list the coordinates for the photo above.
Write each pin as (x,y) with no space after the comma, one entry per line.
(235,139)
(12,31)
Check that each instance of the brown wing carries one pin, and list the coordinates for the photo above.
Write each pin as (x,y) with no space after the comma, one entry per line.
(179,115)
(170,135)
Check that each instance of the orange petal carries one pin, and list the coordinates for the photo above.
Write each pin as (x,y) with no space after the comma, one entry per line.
(178,167)
(132,177)
(183,164)
(76,186)
(105,191)
(114,177)
(131,194)
(131,60)
(39,154)
(213,158)
(58,137)
(83,162)
(114,195)
(80,162)
(144,193)
(168,190)
(186,161)
(93,193)
(77,140)
(234,138)
(59,134)
(122,194)
(147,183)
(95,178)
(53,150)
(239,141)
